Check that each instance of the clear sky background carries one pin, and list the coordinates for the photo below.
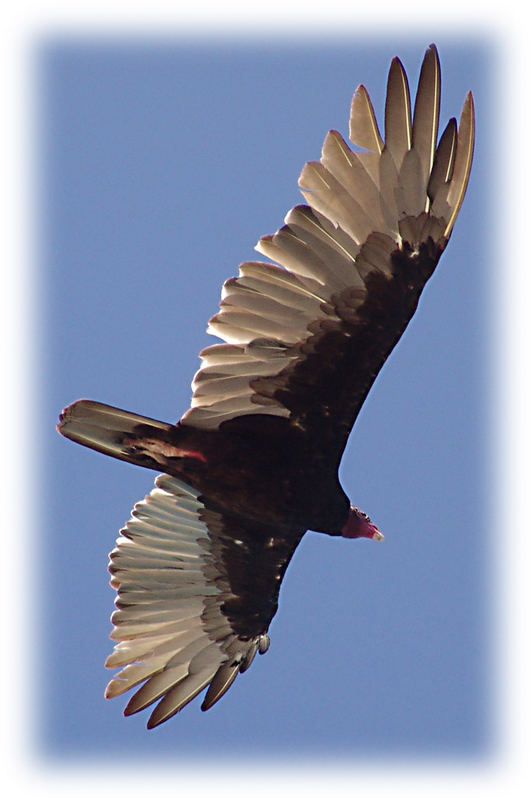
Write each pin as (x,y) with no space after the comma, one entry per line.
(162,163)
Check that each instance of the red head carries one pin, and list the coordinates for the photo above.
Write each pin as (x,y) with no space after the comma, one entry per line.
(359,525)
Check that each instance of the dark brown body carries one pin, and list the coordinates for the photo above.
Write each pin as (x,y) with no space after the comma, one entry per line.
(261,467)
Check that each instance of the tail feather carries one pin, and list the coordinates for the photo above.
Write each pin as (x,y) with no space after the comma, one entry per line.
(108,430)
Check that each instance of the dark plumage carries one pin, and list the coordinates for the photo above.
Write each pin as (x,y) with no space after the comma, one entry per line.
(254,462)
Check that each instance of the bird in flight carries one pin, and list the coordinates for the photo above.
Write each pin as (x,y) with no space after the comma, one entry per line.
(253,464)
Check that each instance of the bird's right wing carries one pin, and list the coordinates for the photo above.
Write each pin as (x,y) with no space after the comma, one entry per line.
(197,589)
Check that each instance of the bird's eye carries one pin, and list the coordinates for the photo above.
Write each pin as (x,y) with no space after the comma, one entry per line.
(361,514)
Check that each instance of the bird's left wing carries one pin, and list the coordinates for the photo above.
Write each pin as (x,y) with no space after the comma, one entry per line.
(196,591)
(305,340)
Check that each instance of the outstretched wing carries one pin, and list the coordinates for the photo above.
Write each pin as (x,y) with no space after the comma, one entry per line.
(305,340)
(197,590)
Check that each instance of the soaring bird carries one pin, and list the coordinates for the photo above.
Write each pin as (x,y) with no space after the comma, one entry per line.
(253,463)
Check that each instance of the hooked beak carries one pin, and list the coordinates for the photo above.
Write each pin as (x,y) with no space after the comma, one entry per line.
(358,525)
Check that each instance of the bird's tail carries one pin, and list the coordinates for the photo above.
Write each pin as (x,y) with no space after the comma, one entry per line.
(115,432)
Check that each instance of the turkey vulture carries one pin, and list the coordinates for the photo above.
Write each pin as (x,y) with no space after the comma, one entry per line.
(253,464)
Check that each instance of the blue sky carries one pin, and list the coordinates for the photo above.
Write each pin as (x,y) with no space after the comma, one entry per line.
(162,164)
